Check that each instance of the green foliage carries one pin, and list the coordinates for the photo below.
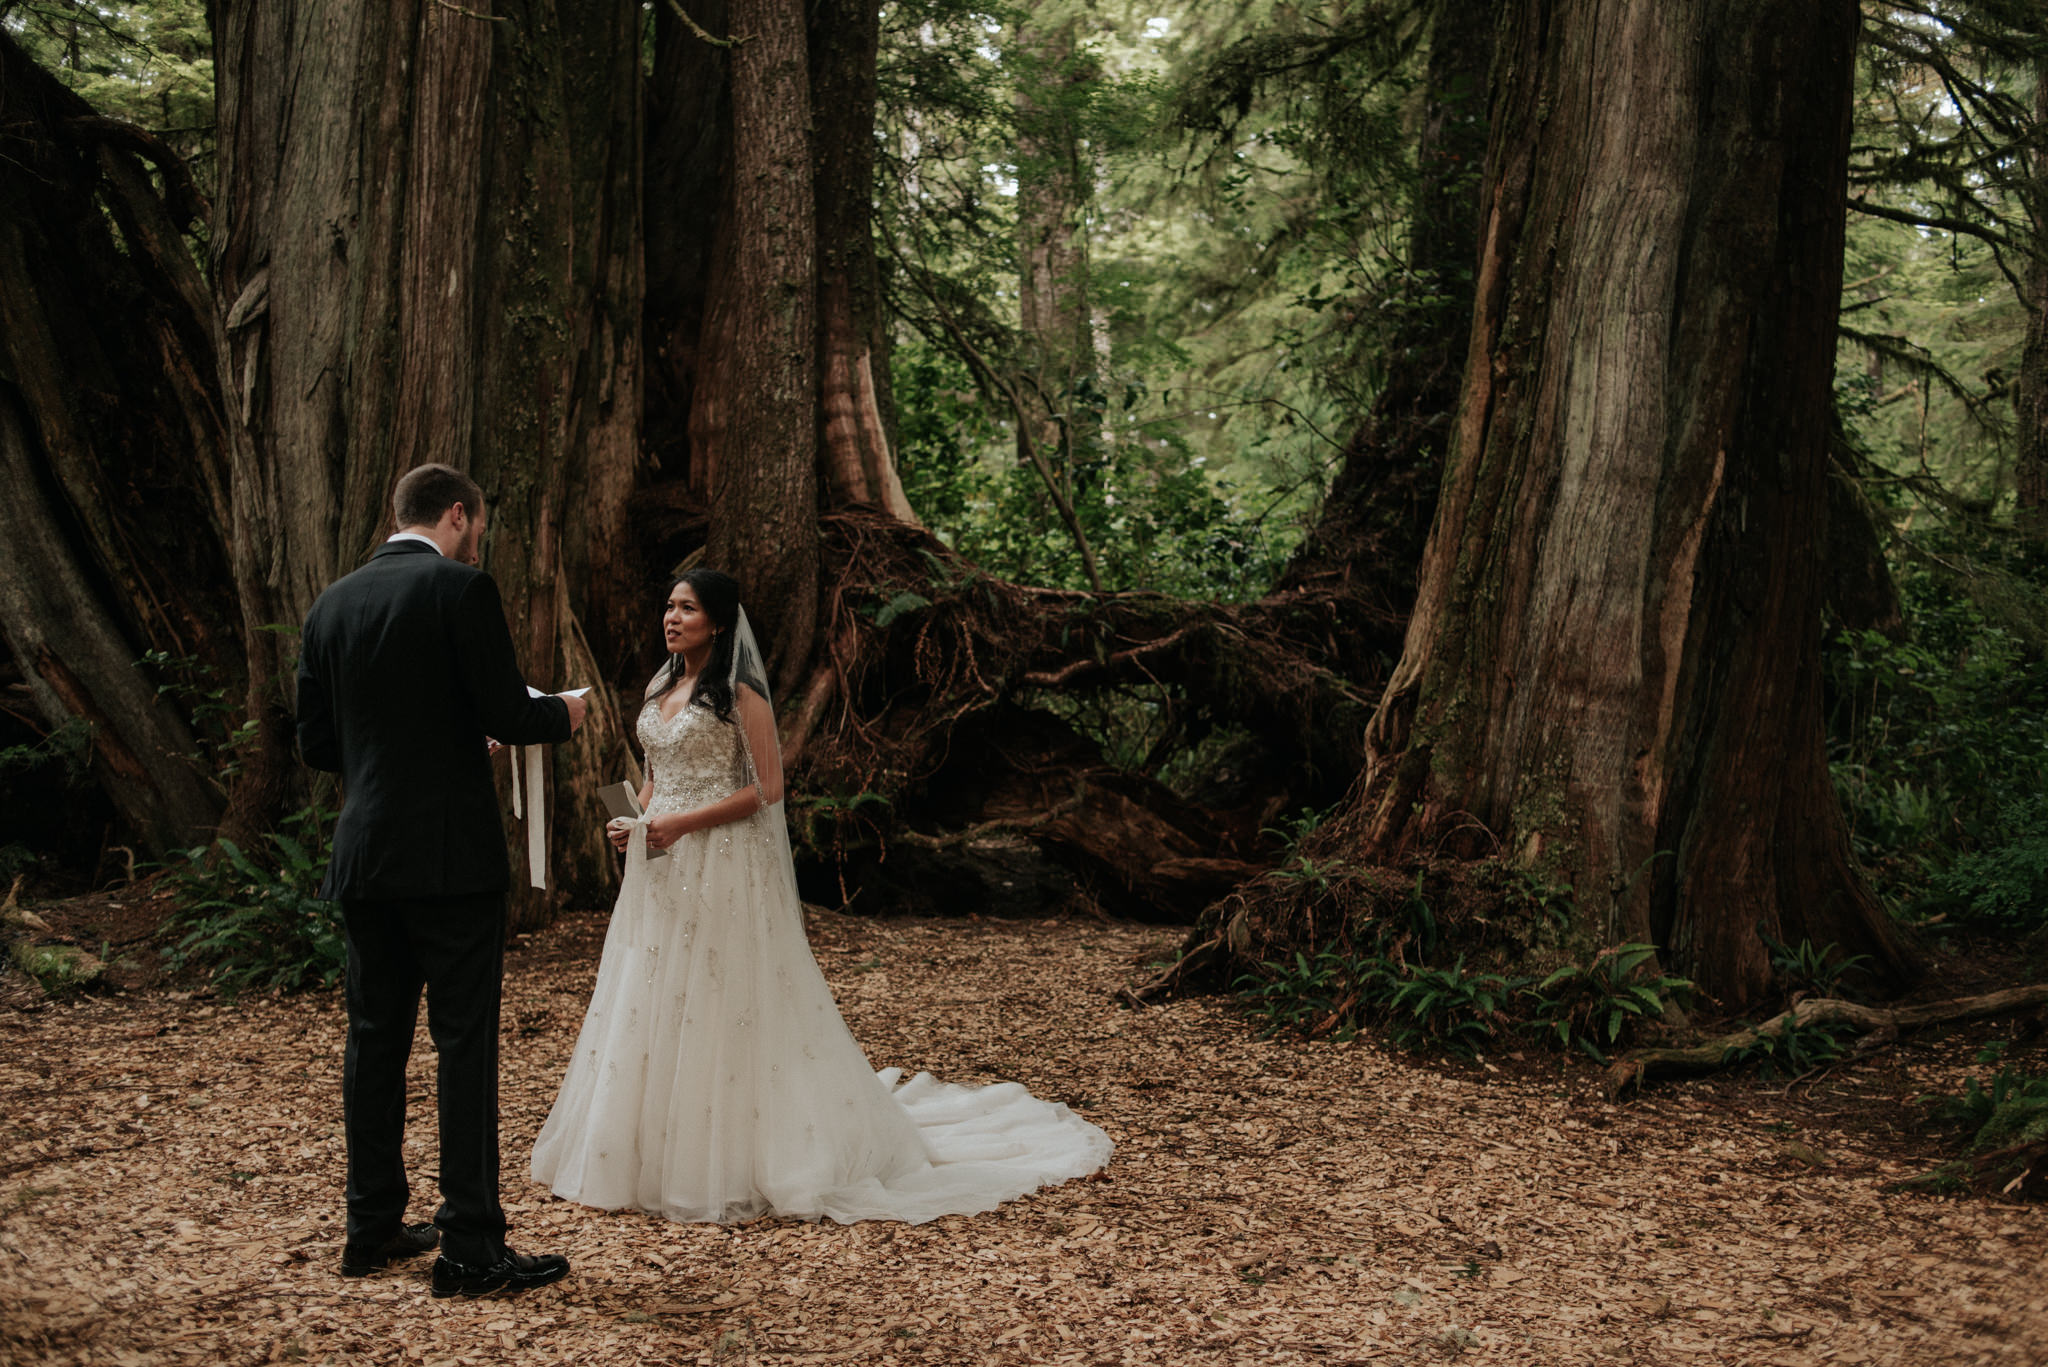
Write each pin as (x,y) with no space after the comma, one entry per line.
(149,64)
(1589,1006)
(1816,972)
(1426,1005)
(2010,1114)
(898,605)
(1300,993)
(1553,903)
(824,825)
(2003,886)
(1241,285)
(68,746)
(259,927)
(1939,742)
(196,687)
(1424,1008)
(2012,1110)
(1294,865)
(1793,1050)
(1447,1008)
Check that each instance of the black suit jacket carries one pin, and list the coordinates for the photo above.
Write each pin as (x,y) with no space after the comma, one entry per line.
(405,666)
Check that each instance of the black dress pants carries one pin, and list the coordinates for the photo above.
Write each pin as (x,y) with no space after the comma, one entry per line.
(454,947)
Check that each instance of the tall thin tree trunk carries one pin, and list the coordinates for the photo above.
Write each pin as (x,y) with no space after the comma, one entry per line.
(1375,519)
(434,255)
(753,418)
(689,136)
(853,437)
(1057,378)
(1612,673)
(2030,394)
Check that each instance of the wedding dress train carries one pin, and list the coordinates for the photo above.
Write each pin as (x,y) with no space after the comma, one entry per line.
(714,1078)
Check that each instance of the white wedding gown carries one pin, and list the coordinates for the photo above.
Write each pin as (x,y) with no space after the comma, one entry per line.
(714,1079)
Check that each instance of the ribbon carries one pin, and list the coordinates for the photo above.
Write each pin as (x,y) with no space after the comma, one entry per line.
(534,812)
(536,821)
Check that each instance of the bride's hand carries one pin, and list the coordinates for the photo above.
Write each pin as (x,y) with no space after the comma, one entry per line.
(619,831)
(665,830)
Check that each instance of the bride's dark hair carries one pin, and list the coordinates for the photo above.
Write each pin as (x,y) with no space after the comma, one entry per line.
(718,593)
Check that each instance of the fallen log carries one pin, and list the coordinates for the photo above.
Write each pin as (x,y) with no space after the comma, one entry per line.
(1713,1054)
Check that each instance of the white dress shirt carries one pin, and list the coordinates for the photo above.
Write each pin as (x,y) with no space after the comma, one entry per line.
(416,536)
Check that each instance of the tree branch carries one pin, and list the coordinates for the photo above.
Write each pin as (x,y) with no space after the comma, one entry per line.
(182,197)
(1712,1055)
(693,26)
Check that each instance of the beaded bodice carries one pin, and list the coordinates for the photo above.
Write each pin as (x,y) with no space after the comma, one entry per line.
(693,757)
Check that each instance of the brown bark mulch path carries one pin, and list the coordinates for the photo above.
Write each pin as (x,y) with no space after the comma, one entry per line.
(170,1193)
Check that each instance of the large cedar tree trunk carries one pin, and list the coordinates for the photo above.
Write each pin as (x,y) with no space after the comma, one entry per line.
(768,369)
(753,415)
(114,522)
(429,250)
(1612,673)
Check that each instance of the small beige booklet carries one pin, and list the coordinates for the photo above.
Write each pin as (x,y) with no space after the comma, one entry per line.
(621,801)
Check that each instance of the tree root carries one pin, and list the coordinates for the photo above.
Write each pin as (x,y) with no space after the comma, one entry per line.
(1204,960)
(1711,1055)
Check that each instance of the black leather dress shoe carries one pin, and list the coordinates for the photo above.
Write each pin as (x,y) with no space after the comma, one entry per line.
(360,1260)
(513,1273)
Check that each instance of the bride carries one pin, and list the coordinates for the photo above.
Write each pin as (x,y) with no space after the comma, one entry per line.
(714,1078)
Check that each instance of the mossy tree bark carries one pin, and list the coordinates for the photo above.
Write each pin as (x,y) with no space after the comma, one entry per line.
(1612,673)
(431,252)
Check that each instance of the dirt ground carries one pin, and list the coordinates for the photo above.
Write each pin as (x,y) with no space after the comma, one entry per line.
(170,1192)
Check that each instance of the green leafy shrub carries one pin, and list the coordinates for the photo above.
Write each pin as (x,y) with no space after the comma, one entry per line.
(2010,1114)
(2004,885)
(1939,743)
(260,927)
(1816,972)
(1794,1049)
(2012,1110)
(1447,1008)
(1300,993)
(1589,1006)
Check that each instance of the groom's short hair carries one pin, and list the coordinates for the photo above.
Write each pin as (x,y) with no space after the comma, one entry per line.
(427,491)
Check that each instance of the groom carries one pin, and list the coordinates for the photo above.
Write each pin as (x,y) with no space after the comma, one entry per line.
(405,667)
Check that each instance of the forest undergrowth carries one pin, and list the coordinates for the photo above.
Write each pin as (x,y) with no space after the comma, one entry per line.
(170,1192)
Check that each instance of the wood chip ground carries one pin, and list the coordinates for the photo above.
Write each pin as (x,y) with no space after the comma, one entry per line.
(171,1172)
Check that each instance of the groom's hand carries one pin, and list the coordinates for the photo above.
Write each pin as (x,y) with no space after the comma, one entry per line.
(577,710)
